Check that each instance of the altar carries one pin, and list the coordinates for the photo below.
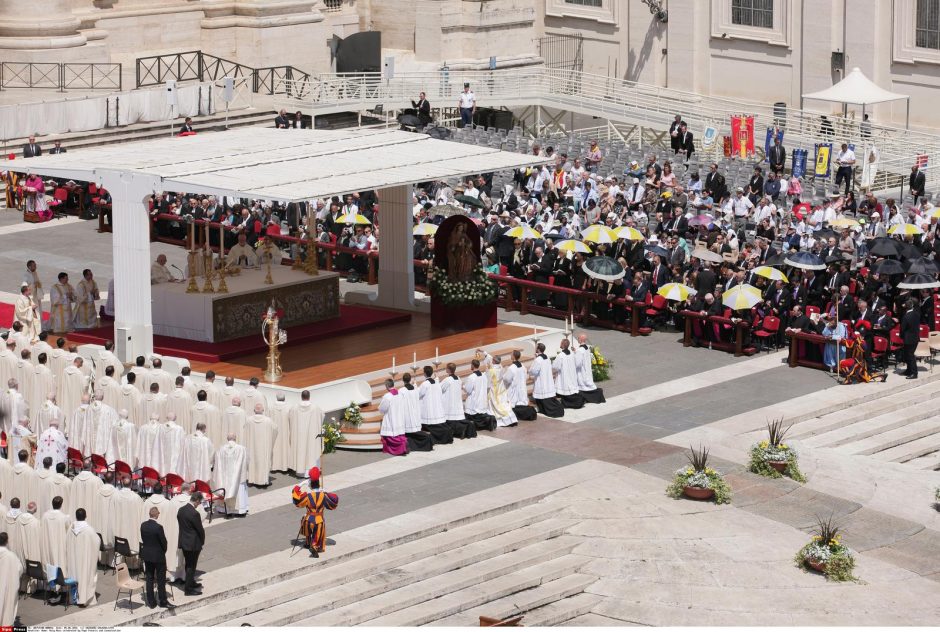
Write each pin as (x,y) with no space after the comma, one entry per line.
(302,298)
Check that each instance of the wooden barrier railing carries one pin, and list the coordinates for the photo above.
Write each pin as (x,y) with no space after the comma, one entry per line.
(800,343)
(740,327)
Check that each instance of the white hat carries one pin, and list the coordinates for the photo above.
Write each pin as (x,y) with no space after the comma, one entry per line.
(636,181)
(876,214)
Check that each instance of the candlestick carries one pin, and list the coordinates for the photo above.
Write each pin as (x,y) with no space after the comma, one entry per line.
(535,331)
(437,359)
(393,364)
(192,237)
(414,357)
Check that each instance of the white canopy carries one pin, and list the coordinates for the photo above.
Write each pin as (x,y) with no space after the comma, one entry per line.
(856,89)
(283,165)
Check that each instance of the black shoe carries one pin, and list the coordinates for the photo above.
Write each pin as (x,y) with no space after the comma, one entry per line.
(167,605)
(152,605)
(193,593)
(198,585)
(911,377)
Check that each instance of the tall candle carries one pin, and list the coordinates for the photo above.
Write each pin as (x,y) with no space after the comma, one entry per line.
(393,364)
(436,357)
(192,238)
(414,358)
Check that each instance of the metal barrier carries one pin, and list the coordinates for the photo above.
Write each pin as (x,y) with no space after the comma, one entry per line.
(198,66)
(61,77)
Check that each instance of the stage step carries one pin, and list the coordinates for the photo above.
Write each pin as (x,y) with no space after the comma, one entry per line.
(898,437)
(526,602)
(926,462)
(913,448)
(561,611)
(289,600)
(868,432)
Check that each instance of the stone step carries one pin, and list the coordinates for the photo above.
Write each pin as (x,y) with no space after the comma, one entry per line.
(529,588)
(541,596)
(872,428)
(898,436)
(557,613)
(926,462)
(258,611)
(912,449)
(864,410)
(411,593)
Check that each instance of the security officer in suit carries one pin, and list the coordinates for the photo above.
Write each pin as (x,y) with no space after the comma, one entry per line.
(910,336)
(153,553)
(32,149)
(192,538)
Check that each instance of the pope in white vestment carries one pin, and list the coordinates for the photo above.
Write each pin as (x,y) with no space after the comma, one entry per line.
(231,472)
(180,403)
(197,457)
(82,560)
(260,433)
(53,444)
(306,422)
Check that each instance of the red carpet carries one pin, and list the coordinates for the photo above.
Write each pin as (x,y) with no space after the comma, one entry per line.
(6,315)
(352,318)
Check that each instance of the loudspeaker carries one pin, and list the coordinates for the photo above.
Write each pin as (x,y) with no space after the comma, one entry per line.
(171,92)
(228,89)
(389,67)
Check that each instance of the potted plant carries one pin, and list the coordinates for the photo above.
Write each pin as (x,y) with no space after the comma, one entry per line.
(600,366)
(826,554)
(936,496)
(698,481)
(352,416)
(773,457)
(332,434)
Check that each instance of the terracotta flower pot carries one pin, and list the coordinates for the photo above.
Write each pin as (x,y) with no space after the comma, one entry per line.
(816,565)
(780,466)
(698,493)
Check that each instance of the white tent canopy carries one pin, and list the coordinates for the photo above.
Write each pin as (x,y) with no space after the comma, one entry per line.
(857,89)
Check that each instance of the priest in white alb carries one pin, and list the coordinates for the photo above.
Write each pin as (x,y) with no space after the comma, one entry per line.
(180,403)
(45,487)
(228,394)
(517,389)
(26,312)
(252,396)
(106,358)
(11,570)
(394,409)
(21,439)
(418,439)
(13,405)
(171,445)
(26,535)
(160,375)
(7,361)
(55,525)
(123,446)
(230,471)
(280,415)
(306,422)
(74,384)
(584,360)
(431,399)
(127,507)
(21,479)
(81,559)
(234,418)
(197,456)
(58,360)
(565,369)
(153,403)
(129,400)
(209,416)
(43,384)
(110,387)
(452,394)
(149,450)
(24,371)
(259,436)
(543,390)
(477,405)
(83,493)
(80,424)
(52,444)
(103,419)
(213,391)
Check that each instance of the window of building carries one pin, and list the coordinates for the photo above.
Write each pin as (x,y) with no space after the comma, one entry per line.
(927,25)
(759,13)
(587,3)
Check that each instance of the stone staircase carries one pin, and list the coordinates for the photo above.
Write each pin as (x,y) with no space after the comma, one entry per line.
(366,436)
(510,561)
(902,426)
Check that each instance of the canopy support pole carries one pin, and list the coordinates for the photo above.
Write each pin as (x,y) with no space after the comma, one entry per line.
(907,115)
(133,322)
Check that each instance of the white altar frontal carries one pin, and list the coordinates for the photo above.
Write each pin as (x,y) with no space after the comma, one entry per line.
(205,317)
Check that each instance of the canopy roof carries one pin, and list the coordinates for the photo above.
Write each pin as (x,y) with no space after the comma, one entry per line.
(284,165)
(856,89)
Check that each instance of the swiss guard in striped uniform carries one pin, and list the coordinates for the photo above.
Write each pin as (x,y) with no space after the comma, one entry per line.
(315,501)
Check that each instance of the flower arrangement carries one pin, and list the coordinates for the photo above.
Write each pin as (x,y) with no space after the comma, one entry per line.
(772,457)
(600,366)
(332,434)
(479,289)
(261,243)
(352,416)
(698,480)
(936,495)
(826,553)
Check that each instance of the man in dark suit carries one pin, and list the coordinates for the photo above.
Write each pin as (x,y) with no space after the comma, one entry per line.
(777,157)
(422,109)
(715,184)
(916,182)
(686,141)
(674,131)
(910,336)
(766,250)
(192,538)
(660,275)
(58,149)
(31,149)
(705,280)
(864,312)
(187,125)
(153,554)
(281,121)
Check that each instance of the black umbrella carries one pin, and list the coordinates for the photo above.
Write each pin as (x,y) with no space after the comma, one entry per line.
(920,266)
(553,236)
(825,233)
(885,247)
(440,133)
(889,266)
(657,250)
(469,200)
(919,281)
(778,259)
(909,250)
(604,268)
(409,120)
(805,261)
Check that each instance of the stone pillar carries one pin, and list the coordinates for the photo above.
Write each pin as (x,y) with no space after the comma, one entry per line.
(396,288)
(133,322)
(38,24)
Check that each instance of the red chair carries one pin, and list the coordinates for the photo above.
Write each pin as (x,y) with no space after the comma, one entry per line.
(880,351)
(99,465)
(924,332)
(122,473)
(172,484)
(76,460)
(656,309)
(768,330)
(811,309)
(147,476)
(3,440)
(211,496)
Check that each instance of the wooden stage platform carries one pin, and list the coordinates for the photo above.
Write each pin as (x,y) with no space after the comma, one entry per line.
(364,352)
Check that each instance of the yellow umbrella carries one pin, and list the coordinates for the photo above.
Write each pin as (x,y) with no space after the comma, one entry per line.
(844,222)
(934,213)
(598,234)
(905,229)
(741,297)
(424,228)
(574,245)
(628,232)
(354,218)
(771,273)
(676,292)
(523,231)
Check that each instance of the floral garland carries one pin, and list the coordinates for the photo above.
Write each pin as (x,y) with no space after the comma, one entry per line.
(479,289)
(600,366)
(352,416)
(332,434)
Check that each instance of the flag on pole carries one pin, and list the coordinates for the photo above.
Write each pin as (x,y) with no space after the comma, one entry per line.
(709,137)
(772,133)
(799,163)
(823,159)
(742,136)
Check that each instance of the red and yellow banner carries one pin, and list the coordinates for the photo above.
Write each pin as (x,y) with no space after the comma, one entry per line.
(742,136)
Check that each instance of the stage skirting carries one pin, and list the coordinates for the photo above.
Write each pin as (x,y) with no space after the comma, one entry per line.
(302,299)
(463,317)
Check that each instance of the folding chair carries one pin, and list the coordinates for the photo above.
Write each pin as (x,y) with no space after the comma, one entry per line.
(128,585)
(211,496)
(35,570)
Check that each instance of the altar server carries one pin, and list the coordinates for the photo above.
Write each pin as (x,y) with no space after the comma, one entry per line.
(543,391)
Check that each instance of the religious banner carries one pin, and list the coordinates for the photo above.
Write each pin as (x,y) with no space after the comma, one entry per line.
(726,145)
(922,161)
(799,163)
(709,136)
(742,136)
(869,166)
(823,160)
(772,133)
